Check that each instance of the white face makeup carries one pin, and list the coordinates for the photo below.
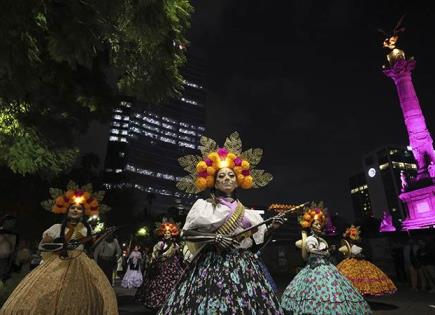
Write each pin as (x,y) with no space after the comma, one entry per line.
(226,181)
(167,235)
(75,211)
(317,226)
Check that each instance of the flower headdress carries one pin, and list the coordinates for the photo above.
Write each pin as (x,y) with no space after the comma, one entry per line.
(167,225)
(61,200)
(316,211)
(202,169)
(353,232)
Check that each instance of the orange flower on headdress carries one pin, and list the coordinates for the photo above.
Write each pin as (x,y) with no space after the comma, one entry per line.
(203,168)
(62,200)
(315,211)
(353,232)
(167,225)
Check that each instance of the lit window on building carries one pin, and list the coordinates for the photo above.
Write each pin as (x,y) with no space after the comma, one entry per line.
(383,166)
(123,139)
(138,115)
(125,125)
(170,120)
(168,126)
(118,170)
(189,101)
(121,154)
(191,84)
(117,110)
(201,128)
(187,145)
(169,133)
(126,104)
(115,131)
(151,120)
(126,118)
(124,132)
(186,131)
(118,117)
(113,138)
(135,129)
(116,124)
(167,140)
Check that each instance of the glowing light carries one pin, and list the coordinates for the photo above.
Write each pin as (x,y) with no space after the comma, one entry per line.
(372,172)
(78,199)
(142,231)
(223,163)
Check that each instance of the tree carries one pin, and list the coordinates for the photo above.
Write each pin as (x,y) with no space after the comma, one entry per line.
(63,63)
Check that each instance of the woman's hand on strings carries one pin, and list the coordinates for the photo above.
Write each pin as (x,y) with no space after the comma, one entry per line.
(225,241)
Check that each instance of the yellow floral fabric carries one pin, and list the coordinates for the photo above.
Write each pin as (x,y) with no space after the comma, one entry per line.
(366,277)
(72,286)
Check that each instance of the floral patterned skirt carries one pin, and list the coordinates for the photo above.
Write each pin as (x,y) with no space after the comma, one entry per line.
(158,282)
(366,277)
(228,282)
(320,289)
(267,275)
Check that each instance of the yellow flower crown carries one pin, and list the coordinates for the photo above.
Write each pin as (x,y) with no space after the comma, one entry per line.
(202,169)
(61,200)
(353,232)
(316,211)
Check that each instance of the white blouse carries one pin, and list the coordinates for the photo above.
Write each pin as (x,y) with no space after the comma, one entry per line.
(205,217)
(355,250)
(314,244)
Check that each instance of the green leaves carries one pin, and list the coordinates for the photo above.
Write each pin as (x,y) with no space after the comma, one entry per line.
(69,61)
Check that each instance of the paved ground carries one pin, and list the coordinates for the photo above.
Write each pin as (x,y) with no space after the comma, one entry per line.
(404,302)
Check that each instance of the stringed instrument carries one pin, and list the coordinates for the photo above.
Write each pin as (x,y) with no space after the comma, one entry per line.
(58,246)
(194,251)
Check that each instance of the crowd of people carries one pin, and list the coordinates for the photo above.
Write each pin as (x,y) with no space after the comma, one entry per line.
(213,268)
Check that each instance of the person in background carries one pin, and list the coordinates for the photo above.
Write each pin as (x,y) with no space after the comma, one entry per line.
(106,255)
(133,277)
(398,259)
(412,265)
(8,245)
(426,259)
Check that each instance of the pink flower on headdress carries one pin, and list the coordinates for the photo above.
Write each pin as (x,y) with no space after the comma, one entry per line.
(208,162)
(246,172)
(237,161)
(222,152)
(202,174)
(78,193)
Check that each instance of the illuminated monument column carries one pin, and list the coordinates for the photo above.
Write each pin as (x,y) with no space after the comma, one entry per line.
(419,193)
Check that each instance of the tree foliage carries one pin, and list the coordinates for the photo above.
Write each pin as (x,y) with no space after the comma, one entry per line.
(63,63)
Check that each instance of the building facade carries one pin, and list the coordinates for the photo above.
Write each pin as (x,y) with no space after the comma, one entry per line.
(146,141)
(377,189)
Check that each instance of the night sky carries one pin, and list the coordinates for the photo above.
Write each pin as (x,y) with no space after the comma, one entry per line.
(303,80)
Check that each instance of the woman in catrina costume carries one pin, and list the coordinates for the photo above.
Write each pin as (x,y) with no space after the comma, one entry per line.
(365,276)
(319,288)
(165,268)
(224,276)
(68,282)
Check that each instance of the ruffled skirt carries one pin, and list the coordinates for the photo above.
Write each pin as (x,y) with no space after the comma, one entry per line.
(158,282)
(72,286)
(320,289)
(223,283)
(366,277)
(132,279)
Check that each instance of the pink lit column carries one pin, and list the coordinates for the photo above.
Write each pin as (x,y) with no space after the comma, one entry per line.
(420,202)
(419,137)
